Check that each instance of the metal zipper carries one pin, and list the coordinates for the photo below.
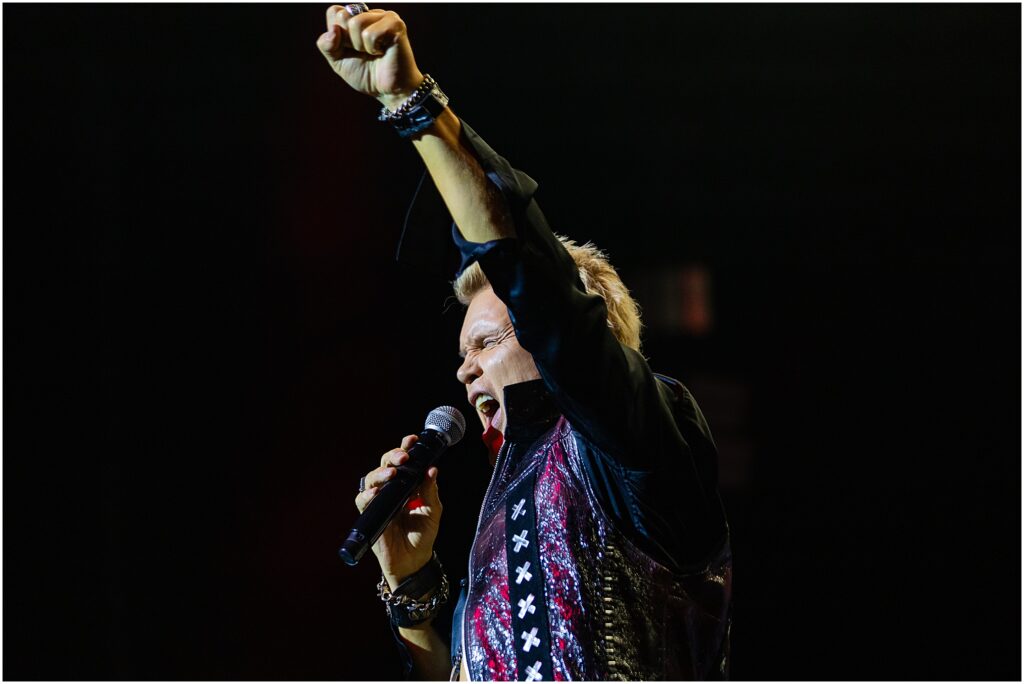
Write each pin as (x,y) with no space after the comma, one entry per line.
(499,462)
(456,669)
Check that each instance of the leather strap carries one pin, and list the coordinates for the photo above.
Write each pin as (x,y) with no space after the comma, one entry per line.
(422,581)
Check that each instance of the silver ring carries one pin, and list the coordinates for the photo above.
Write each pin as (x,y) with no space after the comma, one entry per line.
(362,484)
(356,8)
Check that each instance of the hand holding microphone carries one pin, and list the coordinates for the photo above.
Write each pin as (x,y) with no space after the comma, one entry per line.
(403,539)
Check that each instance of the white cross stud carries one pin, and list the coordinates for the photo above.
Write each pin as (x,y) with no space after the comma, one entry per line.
(533,673)
(523,572)
(531,640)
(517,510)
(520,540)
(525,606)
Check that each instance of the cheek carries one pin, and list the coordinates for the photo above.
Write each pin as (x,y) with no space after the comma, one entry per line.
(519,364)
(492,363)
(508,364)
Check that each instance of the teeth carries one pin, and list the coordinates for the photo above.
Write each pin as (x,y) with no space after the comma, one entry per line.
(482,400)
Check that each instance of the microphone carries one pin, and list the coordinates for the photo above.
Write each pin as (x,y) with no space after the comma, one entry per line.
(444,427)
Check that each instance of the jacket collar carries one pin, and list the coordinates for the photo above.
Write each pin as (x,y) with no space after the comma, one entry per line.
(530,411)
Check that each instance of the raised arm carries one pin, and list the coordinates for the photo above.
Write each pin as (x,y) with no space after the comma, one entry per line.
(371,51)
(646,426)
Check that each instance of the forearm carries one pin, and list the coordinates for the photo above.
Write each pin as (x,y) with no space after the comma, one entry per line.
(370,50)
(430,657)
(424,652)
(476,205)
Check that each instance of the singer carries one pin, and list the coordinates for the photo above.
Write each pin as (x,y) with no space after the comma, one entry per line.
(602,549)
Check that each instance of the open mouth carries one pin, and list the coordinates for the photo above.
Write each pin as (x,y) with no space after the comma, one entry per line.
(488,407)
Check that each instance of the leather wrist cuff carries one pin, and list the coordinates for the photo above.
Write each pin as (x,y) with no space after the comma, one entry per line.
(423,580)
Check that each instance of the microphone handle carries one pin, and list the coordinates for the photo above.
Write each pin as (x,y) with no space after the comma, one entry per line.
(392,496)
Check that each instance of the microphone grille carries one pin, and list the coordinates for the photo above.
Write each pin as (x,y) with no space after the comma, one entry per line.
(448,421)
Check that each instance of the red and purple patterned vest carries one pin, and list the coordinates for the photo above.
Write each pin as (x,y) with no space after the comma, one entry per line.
(556,592)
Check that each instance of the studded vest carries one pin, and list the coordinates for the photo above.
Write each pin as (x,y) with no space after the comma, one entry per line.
(556,592)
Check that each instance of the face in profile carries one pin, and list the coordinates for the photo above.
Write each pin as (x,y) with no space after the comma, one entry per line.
(492,358)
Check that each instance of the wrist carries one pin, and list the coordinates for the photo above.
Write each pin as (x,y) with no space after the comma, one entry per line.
(417,598)
(394,100)
(419,578)
(417,112)
(396,581)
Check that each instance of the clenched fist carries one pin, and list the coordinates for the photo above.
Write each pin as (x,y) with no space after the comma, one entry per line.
(371,52)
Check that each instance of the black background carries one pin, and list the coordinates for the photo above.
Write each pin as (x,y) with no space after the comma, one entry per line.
(207,340)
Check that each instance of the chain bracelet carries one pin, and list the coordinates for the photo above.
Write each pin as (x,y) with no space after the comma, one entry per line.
(411,102)
(415,611)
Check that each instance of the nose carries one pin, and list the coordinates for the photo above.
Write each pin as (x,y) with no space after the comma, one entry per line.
(469,370)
